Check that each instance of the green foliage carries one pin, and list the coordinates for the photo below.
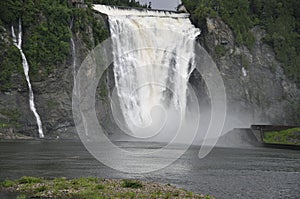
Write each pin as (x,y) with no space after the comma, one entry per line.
(29,180)
(10,63)
(48,44)
(235,13)
(282,22)
(10,11)
(4,125)
(22,196)
(220,50)
(280,18)
(93,188)
(129,3)
(132,184)
(289,136)
(84,19)
(60,183)
(41,188)
(7,183)
(52,104)
(47,32)
(12,115)
(100,32)
(244,61)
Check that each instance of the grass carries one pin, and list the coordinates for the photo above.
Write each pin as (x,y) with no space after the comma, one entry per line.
(93,188)
(289,136)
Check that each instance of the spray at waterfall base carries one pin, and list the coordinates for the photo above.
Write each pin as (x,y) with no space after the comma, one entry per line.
(153,55)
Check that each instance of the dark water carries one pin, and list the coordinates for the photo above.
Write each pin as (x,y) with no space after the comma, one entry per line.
(224,173)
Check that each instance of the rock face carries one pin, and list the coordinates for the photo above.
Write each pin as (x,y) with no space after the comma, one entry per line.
(53,99)
(256,88)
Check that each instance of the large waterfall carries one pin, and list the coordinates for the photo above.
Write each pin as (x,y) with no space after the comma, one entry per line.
(18,44)
(153,54)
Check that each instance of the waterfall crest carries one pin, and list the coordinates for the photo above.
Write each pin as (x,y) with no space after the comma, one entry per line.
(153,59)
(18,43)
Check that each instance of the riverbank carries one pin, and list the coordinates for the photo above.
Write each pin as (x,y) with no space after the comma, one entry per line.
(286,137)
(94,188)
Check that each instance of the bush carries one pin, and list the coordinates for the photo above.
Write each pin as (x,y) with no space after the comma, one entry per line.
(132,184)
(220,50)
(29,180)
(7,183)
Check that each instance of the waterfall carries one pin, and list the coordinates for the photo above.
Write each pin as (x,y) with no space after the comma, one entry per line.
(74,60)
(73,50)
(153,54)
(18,43)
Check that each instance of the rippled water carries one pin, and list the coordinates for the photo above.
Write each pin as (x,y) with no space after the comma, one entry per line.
(224,173)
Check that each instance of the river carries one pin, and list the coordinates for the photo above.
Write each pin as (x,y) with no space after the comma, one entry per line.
(224,173)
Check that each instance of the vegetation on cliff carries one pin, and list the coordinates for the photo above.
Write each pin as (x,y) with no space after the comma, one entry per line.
(94,188)
(280,19)
(47,26)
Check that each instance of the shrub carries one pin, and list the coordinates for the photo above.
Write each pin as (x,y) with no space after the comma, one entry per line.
(7,183)
(29,180)
(220,50)
(132,184)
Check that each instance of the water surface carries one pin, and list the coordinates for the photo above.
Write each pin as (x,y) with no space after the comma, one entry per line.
(224,173)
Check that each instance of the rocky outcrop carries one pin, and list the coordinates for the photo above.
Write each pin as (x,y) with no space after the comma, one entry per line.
(256,86)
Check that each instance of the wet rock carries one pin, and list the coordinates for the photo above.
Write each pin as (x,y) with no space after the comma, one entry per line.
(256,86)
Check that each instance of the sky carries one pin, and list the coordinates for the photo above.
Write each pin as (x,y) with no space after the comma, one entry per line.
(162,4)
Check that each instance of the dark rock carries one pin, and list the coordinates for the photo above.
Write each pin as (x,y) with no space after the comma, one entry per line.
(256,86)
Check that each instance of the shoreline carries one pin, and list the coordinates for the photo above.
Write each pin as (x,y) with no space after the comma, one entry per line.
(93,188)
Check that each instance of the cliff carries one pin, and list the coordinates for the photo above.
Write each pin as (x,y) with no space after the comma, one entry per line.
(256,85)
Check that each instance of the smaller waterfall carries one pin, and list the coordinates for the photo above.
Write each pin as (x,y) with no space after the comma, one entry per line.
(18,43)
(74,62)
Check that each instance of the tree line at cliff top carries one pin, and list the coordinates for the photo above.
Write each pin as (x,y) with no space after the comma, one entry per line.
(280,19)
(47,31)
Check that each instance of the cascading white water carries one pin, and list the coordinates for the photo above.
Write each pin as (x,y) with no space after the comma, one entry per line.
(18,43)
(74,59)
(153,59)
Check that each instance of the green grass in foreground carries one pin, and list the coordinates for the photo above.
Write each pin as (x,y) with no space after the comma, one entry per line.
(289,136)
(93,188)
